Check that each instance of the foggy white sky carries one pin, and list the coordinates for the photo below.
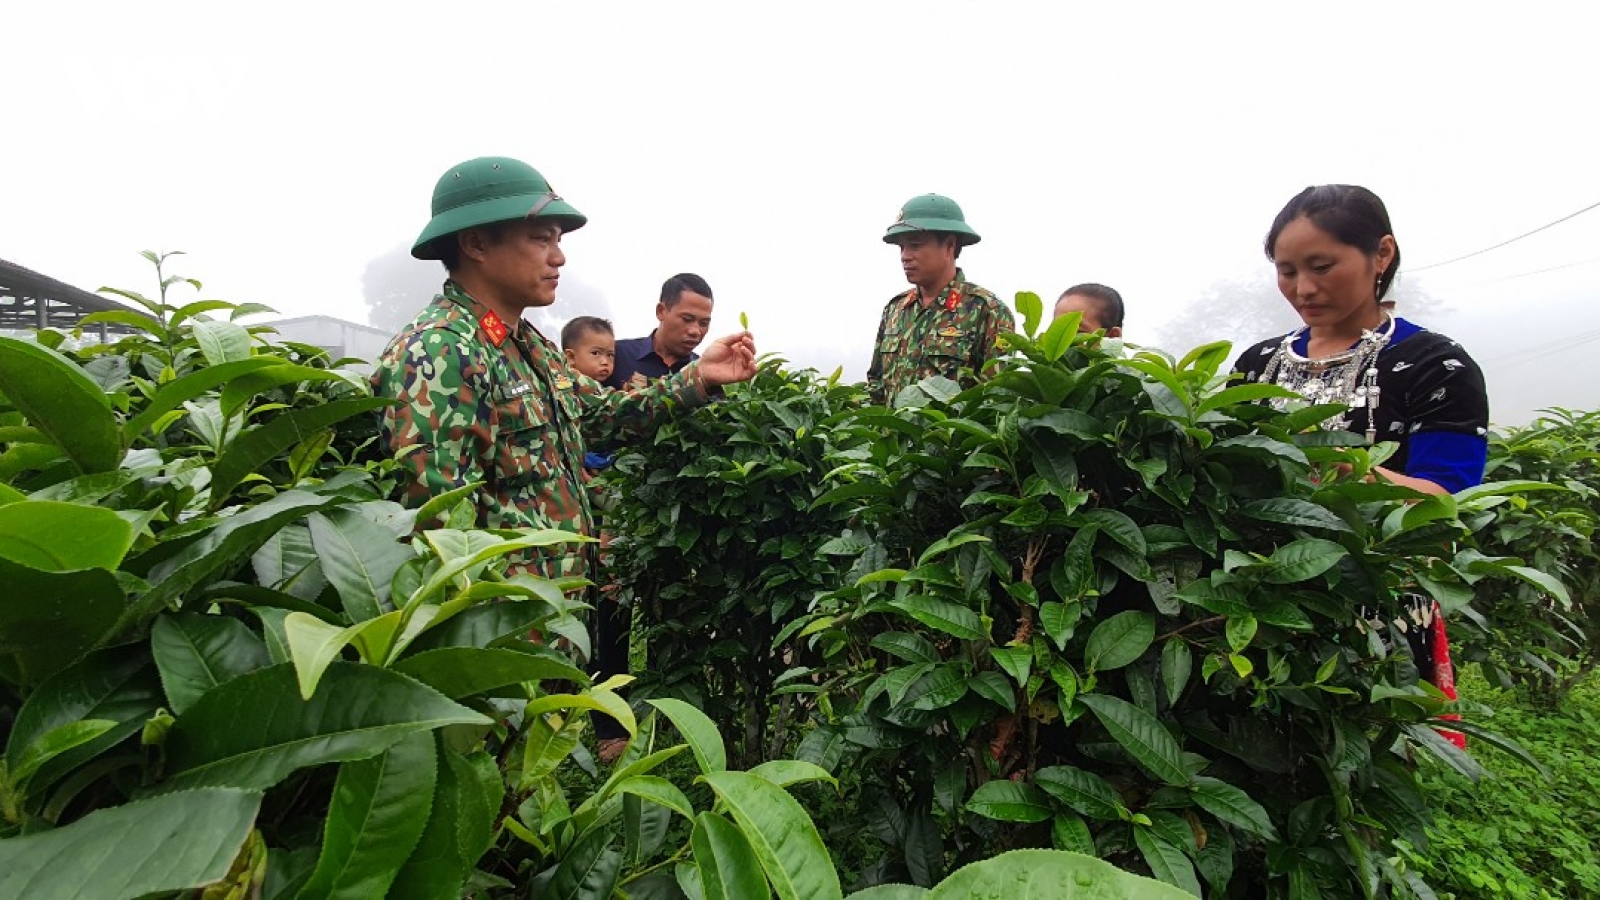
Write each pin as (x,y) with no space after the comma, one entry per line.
(1146,146)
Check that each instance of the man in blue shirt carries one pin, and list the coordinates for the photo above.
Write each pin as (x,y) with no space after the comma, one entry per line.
(683,317)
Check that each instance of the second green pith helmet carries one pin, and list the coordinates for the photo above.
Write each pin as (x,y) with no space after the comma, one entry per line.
(487,190)
(932,212)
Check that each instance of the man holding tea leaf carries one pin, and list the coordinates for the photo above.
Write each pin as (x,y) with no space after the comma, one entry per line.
(483,396)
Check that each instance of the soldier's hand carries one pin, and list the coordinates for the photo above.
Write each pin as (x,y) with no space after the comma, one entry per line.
(729,359)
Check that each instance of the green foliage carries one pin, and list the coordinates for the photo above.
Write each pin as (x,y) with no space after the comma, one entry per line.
(719,540)
(1137,612)
(228,661)
(1524,833)
(1032,875)
(1540,635)
(1104,604)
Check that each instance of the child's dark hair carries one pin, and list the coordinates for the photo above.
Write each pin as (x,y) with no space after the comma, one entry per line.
(573,331)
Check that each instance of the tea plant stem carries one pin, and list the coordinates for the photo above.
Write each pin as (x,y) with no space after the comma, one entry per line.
(1198,623)
(671,860)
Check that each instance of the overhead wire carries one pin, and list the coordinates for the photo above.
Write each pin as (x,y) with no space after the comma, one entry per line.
(1547,225)
(1533,354)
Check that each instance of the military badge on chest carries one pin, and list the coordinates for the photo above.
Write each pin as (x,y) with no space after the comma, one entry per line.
(512,391)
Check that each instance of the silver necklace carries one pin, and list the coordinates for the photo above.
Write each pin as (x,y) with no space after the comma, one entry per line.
(1349,377)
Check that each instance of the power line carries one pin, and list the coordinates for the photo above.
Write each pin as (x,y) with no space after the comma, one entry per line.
(1531,354)
(1595,205)
(1570,265)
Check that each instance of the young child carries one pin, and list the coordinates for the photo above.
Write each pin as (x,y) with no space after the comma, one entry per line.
(590,346)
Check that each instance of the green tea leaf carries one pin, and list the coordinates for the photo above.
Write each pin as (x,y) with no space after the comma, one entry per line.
(1303,559)
(698,731)
(39,638)
(1240,631)
(62,537)
(254,730)
(61,401)
(950,618)
(1234,806)
(1301,513)
(134,849)
(780,833)
(195,653)
(360,558)
(1032,309)
(1176,664)
(378,811)
(1010,801)
(253,449)
(1041,874)
(729,869)
(1166,862)
(222,342)
(1119,640)
(117,685)
(1084,792)
(1141,735)
(460,827)
(459,672)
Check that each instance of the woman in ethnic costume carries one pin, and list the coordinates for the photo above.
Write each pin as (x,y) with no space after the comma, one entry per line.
(1336,257)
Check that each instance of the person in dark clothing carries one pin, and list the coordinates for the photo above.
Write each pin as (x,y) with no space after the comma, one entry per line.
(1336,257)
(683,316)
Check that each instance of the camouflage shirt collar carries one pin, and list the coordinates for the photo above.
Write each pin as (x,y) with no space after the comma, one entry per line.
(484,316)
(949,298)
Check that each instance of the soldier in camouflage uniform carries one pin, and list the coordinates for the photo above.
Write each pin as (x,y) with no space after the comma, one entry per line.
(944,324)
(483,395)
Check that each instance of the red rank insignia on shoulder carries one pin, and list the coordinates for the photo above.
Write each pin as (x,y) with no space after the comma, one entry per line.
(493,327)
(953,301)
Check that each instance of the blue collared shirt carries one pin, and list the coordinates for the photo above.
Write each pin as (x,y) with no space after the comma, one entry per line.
(638,356)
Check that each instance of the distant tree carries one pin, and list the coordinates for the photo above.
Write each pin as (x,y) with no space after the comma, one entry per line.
(1246,310)
(395,287)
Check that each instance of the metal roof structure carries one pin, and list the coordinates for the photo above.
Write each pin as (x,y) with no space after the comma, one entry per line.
(31,300)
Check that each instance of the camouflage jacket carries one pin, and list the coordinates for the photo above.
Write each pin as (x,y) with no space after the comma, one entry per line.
(958,330)
(482,400)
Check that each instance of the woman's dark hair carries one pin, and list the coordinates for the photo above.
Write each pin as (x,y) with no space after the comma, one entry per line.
(1106,298)
(1352,214)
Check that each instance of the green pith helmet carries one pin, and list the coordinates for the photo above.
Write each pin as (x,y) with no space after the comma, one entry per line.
(932,212)
(491,189)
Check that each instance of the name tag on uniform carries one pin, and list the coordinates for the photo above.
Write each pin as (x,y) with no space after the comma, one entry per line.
(513,391)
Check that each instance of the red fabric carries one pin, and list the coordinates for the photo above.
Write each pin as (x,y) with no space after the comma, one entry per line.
(1444,675)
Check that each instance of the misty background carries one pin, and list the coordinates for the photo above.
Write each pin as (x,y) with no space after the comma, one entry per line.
(291,152)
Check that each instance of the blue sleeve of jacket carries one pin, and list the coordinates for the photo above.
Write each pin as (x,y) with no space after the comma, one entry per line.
(1452,460)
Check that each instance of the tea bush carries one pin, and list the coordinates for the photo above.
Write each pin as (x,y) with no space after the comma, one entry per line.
(719,539)
(1544,641)
(1109,603)
(231,667)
